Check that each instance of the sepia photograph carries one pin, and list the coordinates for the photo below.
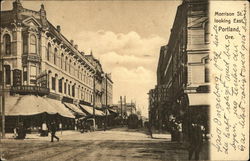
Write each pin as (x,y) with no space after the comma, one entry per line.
(117,80)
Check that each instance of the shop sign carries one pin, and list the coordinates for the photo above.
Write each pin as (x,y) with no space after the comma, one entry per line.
(17,77)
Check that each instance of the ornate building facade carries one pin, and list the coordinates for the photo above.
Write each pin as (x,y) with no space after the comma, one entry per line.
(182,89)
(36,58)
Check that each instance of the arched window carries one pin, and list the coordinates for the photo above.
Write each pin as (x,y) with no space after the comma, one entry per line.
(7,44)
(55,56)
(48,51)
(74,69)
(62,61)
(33,44)
(70,66)
(66,62)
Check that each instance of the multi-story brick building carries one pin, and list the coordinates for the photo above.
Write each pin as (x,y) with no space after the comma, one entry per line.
(37,59)
(183,73)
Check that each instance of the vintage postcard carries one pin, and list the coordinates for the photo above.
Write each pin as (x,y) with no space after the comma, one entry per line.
(134,80)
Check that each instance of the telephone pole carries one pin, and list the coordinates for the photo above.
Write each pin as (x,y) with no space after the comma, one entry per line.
(131,107)
(125,107)
(106,106)
(121,109)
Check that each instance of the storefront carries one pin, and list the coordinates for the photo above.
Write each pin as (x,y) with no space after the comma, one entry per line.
(32,111)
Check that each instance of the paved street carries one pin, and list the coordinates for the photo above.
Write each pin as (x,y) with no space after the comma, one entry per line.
(116,144)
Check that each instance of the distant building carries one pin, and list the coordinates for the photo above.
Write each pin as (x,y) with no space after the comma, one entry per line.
(107,90)
(183,74)
(125,110)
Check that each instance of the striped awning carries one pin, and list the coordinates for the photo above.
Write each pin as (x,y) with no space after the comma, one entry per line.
(76,110)
(90,111)
(32,105)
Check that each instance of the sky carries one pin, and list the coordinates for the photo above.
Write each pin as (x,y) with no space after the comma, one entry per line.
(125,36)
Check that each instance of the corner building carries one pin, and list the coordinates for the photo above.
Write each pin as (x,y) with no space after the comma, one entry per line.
(37,59)
(182,90)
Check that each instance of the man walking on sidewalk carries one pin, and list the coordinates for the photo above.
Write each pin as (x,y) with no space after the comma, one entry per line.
(53,129)
(196,139)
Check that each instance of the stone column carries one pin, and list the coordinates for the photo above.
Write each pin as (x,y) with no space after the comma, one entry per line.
(43,50)
(19,47)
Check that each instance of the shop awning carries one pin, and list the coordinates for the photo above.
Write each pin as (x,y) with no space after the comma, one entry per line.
(112,110)
(74,108)
(89,110)
(60,108)
(199,99)
(32,105)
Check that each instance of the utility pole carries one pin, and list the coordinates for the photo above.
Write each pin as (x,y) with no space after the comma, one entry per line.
(125,107)
(121,109)
(131,107)
(3,97)
(106,107)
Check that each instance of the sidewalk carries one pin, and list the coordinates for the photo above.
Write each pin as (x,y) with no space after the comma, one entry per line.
(36,136)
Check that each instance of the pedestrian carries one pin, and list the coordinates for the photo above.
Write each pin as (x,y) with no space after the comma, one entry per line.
(195,141)
(60,127)
(44,129)
(21,131)
(103,126)
(15,132)
(53,129)
(150,130)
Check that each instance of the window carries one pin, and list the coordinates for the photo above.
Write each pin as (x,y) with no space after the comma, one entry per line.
(73,90)
(65,88)
(48,51)
(33,73)
(69,66)
(82,96)
(60,85)
(55,55)
(206,32)
(32,44)
(206,74)
(53,83)
(66,62)
(7,75)
(62,61)
(7,44)
(69,89)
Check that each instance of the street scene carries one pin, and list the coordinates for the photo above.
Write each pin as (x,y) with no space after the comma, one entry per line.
(104,80)
(114,144)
